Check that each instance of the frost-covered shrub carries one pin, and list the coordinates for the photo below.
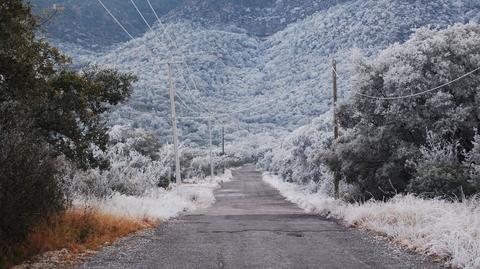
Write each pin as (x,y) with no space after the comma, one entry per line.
(201,164)
(473,163)
(302,157)
(439,171)
(136,165)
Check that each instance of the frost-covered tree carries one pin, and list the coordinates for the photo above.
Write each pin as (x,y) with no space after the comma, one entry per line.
(302,156)
(385,134)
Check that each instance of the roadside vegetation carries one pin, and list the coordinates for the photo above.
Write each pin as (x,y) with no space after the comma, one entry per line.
(427,144)
(50,116)
(409,167)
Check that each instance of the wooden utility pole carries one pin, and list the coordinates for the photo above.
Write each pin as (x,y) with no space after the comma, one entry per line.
(178,175)
(223,140)
(169,166)
(336,180)
(210,145)
(223,148)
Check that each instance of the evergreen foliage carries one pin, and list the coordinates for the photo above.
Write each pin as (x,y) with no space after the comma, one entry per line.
(46,111)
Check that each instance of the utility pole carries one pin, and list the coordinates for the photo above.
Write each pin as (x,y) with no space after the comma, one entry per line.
(210,145)
(178,175)
(223,148)
(336,181)
(223,140)
(169,166)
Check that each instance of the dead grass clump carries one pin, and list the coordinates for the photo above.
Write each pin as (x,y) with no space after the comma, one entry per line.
(76,230)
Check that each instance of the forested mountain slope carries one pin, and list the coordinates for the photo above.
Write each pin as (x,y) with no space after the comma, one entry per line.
(259,18)
(289,70)
(85,23)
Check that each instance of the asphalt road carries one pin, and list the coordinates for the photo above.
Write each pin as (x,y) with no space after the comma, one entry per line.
(252,226)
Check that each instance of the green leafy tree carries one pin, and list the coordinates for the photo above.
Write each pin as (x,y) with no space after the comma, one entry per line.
(46,110)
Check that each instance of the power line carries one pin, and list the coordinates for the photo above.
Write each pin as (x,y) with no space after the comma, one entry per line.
(132,38)
(115,19)
(171,90)
(257,105)
(175,45)
(171,93)
(184,103)
(140,13)
(414,94)
(201,107)
(248,108)
(156,16)
(192,118)
(229,114)
(364,95)
(49,18)
(233,112)
(183,57)
(151,29)
(158,38)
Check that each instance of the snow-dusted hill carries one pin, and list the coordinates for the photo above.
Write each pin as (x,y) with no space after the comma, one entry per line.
(86,23)
(290,69)
(259,18)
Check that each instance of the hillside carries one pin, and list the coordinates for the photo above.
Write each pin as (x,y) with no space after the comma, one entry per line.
(258,18)
(290,69)
(85,23)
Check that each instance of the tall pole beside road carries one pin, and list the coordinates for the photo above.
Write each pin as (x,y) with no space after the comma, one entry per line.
(336,181)
(178,175)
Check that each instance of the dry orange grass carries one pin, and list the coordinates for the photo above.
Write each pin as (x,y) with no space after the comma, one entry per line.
(76,230)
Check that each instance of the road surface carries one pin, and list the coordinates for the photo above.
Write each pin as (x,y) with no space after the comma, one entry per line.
(252,226)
